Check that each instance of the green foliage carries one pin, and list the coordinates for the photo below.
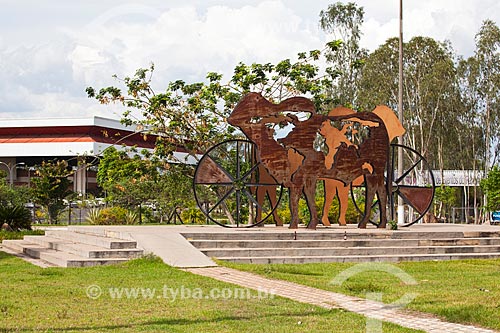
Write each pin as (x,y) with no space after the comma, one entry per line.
(93,216)
(131,218)
(17,217)
(491,187)
(175,188)
(393,224)
(283,212)
(129,181)
(201,108)
(430,87)
(446,195)
(488,88)
(134,181)
(115,215)
(13,195)
(19,234)
(51,186)
(193,215)
(344,53)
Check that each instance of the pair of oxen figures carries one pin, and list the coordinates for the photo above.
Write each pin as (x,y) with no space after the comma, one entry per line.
(341,148)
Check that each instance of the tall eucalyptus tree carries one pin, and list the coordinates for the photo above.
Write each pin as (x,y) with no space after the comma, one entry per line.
(487,56)
(345,55)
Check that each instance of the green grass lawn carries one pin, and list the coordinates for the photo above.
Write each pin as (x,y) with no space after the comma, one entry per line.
(459,291)
(56,300)
(18,234)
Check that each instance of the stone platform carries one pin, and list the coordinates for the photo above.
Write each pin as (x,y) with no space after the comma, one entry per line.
(194,246)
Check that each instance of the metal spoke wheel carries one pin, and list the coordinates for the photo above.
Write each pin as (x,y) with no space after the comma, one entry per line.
(232,188)
(358,195)
(415,187)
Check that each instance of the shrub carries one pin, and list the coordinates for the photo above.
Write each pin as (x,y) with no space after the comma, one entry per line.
(17,217)
(108,216)
(393,224)
(131,217)
(193,215)
(113,215)
(93,216)
(149,216)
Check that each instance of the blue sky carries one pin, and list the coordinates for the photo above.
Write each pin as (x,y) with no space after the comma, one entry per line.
(50,50)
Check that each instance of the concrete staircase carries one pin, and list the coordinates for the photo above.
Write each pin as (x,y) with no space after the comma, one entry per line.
(65,248)
(345,246)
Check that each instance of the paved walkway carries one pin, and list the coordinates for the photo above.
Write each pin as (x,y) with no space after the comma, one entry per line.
(330,300)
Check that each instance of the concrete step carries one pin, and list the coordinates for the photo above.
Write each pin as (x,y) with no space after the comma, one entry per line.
(78,237)
(350,245)
(19,245)
(348,251)
(100,231)
(368,258)
(284,235)
(350,234)
(57,258)
(245,244)
(83,250)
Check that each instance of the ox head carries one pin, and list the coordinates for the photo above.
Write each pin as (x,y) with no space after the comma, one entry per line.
(254,108)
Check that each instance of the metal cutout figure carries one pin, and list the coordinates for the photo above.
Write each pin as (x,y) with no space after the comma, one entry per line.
(293,146)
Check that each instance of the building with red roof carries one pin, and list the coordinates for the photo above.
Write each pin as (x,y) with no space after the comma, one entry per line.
(25,143)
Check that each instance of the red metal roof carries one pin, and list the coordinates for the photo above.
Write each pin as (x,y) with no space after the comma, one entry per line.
(75,134)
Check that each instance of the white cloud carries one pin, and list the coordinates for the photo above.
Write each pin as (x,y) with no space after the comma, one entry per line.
(454,20)
(185,40)
(47,59)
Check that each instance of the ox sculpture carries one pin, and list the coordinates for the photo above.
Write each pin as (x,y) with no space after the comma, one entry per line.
(293,146)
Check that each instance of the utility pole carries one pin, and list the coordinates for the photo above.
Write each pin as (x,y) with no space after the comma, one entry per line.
(401,217)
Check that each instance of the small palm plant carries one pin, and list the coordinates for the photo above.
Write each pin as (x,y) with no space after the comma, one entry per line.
(131,217)
(17,217)
(94,216)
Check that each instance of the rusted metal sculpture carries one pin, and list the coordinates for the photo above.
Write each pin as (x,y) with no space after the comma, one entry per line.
(343,148)
(335,187)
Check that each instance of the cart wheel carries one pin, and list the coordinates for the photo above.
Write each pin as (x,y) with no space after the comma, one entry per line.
(232,189)
(358,195)
(415,187)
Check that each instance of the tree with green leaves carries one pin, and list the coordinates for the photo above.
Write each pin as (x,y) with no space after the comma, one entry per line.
(13,195)
(345,55)
(378,83)
(51,186)
(470,140)
(192,117)
(129,181)
(488,61)
(445,198)
(176,191)
(479,82)
(430,89)
(491,188)
(12,205)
